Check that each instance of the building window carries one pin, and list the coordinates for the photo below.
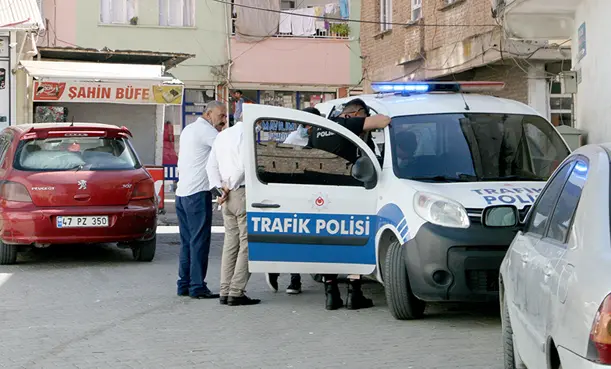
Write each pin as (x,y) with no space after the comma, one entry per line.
(177,13)
(385,15)
(416,9)
(118,11)
(561,106)
(287,5)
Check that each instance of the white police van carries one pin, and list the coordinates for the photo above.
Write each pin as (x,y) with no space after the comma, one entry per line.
(411,216)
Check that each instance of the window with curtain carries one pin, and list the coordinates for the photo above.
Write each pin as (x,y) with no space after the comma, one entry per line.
(117,11)
(416,10)
(385,15)
(177,13)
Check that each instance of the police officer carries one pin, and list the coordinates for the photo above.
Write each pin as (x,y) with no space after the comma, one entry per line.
(355,117)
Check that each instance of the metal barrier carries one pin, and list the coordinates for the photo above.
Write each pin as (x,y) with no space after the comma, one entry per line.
(170,172)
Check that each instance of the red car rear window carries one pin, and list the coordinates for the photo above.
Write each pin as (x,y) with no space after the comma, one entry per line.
(83,153)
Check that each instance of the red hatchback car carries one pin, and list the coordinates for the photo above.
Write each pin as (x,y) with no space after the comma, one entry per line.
(72,183)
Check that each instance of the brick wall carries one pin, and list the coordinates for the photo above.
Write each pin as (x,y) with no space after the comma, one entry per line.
(515,78)
(383,50)
(274,158)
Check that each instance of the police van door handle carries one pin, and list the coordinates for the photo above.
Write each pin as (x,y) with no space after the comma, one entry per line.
(264,206)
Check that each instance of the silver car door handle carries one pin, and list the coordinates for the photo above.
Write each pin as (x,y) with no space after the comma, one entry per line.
(525,258)
(548,271)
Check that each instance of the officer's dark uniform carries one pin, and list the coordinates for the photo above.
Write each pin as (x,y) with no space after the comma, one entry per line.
(326,140)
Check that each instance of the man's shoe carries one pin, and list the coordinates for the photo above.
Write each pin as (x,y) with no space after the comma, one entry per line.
(242,300)
(182,293)
(206,295)
(293,289)
(355,299)
(223,300)
(333,298)
(272,281)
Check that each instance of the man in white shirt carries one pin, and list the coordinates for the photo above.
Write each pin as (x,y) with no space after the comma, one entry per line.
(194,200)
(226,172)
(300,136)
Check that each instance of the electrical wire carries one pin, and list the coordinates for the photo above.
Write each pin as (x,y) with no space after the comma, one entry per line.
(352,20)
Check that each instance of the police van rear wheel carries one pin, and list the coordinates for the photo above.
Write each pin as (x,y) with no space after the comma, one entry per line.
(401,301)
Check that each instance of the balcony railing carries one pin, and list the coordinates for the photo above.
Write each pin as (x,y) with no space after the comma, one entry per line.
(324,29)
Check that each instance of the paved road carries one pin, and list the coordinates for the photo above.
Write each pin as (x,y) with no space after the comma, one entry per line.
(76,307)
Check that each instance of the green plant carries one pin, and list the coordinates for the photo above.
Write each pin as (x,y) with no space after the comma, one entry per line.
(340,29)
(133,21)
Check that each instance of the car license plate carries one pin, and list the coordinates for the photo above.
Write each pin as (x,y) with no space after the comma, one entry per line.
(82,222)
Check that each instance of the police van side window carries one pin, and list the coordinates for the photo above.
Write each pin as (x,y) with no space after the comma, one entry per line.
(542,211)
(283,156)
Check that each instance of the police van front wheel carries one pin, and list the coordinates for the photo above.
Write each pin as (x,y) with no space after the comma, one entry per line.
(401,301)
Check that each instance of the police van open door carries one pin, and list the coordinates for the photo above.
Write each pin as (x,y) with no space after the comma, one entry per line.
(308,210)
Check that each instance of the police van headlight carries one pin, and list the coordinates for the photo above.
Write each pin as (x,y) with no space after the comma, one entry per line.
(441,210)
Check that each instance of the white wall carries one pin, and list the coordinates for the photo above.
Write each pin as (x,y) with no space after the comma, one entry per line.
(140,119)
(593,99)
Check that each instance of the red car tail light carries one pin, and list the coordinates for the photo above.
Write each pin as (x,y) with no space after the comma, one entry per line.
(144,190)
(13,191)
(599,345)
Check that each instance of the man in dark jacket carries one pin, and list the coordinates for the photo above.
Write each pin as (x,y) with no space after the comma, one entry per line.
(355,117)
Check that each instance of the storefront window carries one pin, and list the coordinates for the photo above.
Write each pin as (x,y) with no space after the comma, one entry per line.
(285,99)
(307,99)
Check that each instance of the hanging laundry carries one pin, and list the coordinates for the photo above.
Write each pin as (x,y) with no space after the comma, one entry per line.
(303,22)
(319,23)
(331,8)
(343,8)
(285,22)
(256,19)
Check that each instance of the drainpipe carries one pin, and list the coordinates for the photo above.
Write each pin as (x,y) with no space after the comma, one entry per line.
(228,16)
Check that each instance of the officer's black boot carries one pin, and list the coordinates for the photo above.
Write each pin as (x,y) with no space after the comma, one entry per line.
(355,298)
(334,299)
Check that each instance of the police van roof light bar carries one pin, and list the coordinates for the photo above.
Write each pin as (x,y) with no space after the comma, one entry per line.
(424,86)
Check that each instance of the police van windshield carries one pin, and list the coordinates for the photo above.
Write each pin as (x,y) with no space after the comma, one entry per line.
(475,147)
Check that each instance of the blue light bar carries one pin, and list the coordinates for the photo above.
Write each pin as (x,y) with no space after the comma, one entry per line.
(436,86)
(382,87)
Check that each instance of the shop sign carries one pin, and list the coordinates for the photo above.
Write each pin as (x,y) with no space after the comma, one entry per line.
(114,93)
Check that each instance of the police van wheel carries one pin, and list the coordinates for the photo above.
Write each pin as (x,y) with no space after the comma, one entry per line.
(317,277)
(401,301)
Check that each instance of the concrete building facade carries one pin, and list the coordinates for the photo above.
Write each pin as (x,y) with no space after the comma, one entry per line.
(585,22)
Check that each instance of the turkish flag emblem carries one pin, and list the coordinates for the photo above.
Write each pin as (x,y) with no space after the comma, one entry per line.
(319,201)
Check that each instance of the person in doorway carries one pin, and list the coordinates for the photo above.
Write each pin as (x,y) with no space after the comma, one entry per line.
(299,137)
(239,102)
(355,117)
(226,172)
(194,201)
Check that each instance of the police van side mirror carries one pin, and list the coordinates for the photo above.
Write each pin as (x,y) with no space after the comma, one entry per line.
(364,171)
(501,216)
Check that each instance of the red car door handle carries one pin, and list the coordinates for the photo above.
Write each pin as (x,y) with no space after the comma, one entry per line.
(82,197)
